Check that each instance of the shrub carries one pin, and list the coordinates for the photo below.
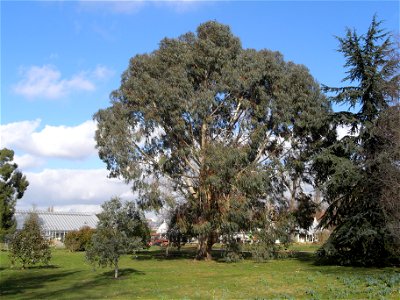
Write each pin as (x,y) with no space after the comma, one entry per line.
(78,240)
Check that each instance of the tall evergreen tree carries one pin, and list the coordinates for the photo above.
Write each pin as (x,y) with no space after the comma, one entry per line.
(12,187)
(350,166)
(208,123)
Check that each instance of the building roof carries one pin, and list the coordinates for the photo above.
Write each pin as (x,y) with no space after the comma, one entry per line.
(59,221)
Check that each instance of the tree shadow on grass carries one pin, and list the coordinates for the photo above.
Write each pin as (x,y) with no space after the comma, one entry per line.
(42,267)
(86,288)
(218,255)
(311,260)
(123,273)
(18,267)
(161,254)
(26,280)
(305,256)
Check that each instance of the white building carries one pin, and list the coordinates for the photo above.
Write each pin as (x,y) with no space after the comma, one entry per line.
(162,229)
(56,225)
(307,236)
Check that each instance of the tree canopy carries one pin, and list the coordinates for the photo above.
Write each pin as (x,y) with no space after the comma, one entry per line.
(355,169)
(211,127)
(12,187)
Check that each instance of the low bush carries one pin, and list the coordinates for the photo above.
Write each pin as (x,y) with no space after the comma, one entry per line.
(78,240)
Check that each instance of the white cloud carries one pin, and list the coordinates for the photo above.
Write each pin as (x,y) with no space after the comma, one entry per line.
(16,134)
(126,7)
(46,82)
(27,161)
(70,142)
(66,189)
(66,142)
(102,72)
(182,6)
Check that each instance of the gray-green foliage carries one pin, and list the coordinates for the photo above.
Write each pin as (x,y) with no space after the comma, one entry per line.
(121,229)
(355,168)
(12,187)
(28,246)
(207,123)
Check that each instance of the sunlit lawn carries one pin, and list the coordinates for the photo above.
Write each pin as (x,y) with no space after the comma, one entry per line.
(151,276)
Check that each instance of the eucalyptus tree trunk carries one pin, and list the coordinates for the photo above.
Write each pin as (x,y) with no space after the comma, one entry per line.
(209,245)
(293,193)
(206,243)
(201,249)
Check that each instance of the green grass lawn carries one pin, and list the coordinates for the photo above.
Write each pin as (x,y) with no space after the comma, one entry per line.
(304,247)
(151,276)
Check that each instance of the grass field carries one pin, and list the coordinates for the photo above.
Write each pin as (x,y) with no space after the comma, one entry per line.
(151,276)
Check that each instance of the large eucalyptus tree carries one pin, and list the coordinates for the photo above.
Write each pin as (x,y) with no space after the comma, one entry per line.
(209,124)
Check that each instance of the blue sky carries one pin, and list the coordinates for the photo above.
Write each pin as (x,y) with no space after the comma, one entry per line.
(61,59)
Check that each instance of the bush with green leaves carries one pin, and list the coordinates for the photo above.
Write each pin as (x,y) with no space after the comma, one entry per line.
(28,246)
(78,240)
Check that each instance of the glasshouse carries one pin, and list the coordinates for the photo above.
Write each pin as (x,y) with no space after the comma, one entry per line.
(56,225)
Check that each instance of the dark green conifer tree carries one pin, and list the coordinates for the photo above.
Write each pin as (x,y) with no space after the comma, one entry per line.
(12,187)
(350,167)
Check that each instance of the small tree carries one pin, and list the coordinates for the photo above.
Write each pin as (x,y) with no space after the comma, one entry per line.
(28,246)
(121,229)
